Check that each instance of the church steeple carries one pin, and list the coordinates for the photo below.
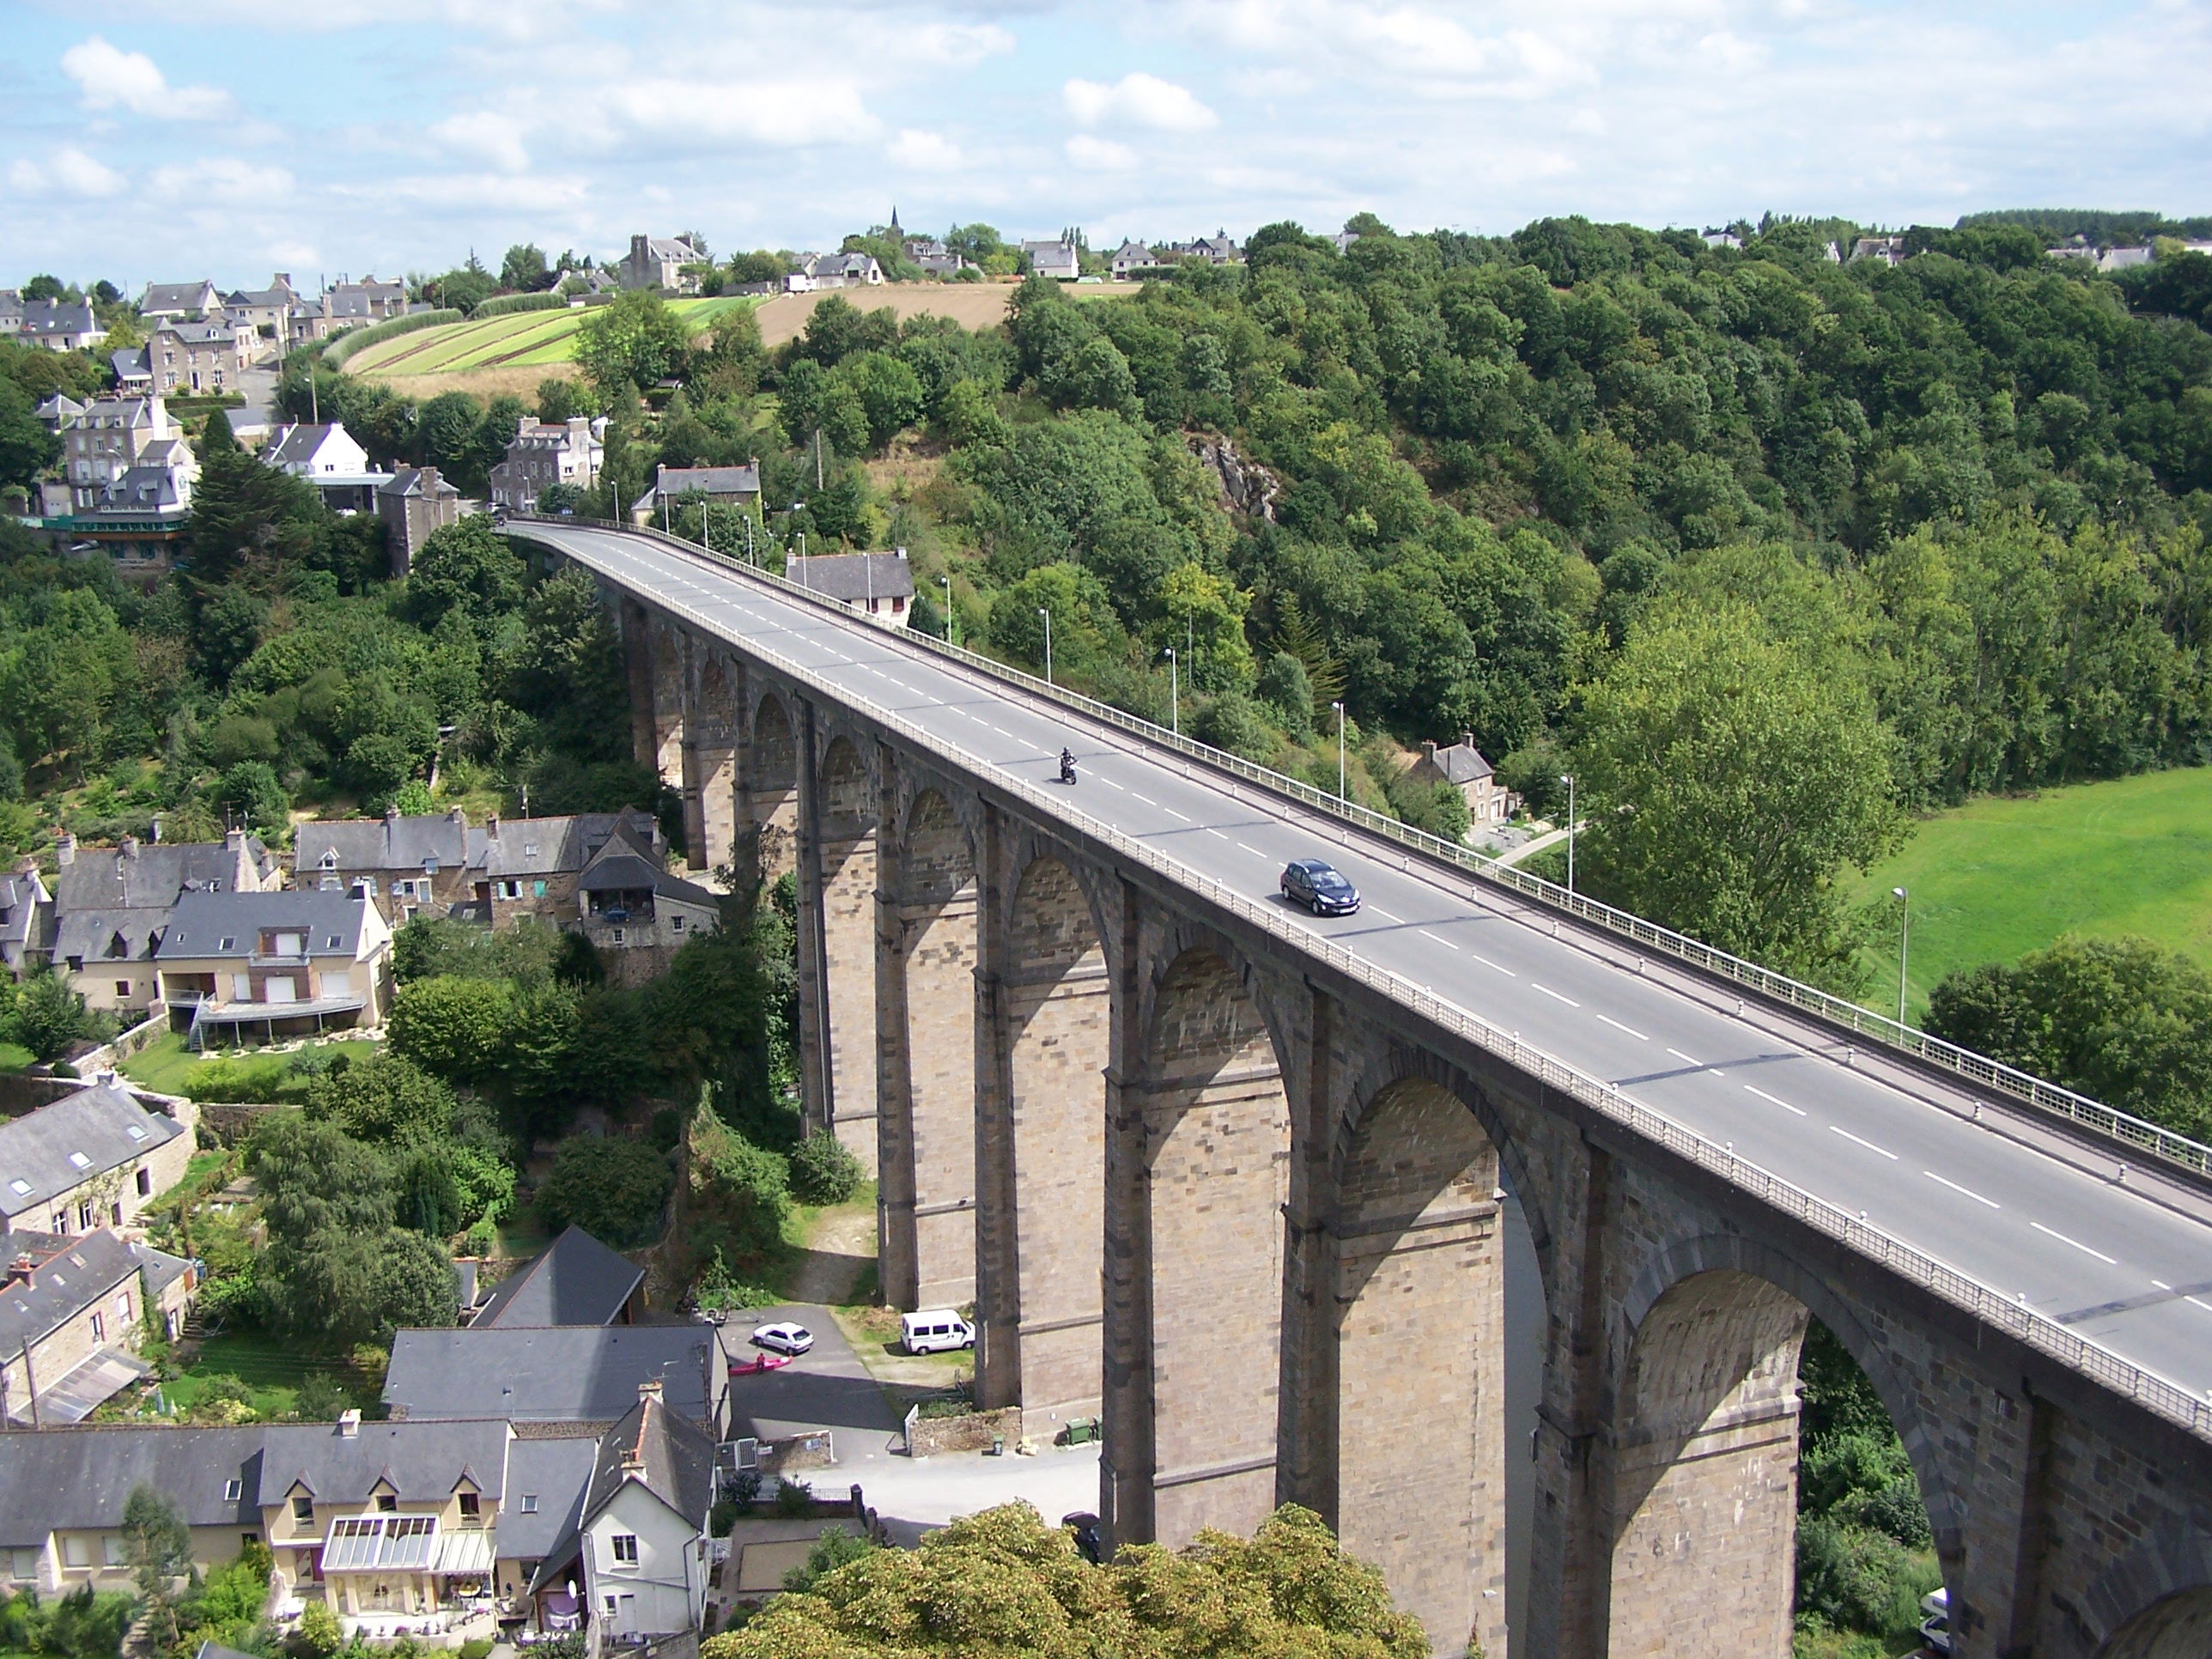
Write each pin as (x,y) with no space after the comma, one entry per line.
(898,235)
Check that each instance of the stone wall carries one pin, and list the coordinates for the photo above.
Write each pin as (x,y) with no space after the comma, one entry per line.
(926,1437)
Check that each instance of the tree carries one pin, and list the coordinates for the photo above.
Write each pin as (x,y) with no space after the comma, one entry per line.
(455,1029)
(249,517)
(249,789)
(524,268)
(27,448)
(464,288)
(613,1189)
(449,426)
(466,567)
(45,286)
(384,1098)
(48,1017)
(890,394)
(2118,1020)
(1727,785)
(635,342)
(823,1171)
(157,1545)
(1005,1581)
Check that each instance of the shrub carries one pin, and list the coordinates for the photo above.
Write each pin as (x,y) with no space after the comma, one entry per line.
(318,1635)
(793,1497)
(823,1171)
(832,1550)
(613,1189)
(1855,1577)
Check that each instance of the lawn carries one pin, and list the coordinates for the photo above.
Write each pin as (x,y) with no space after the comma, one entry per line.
(170,1068)
(520,338)
(269,1369)
(2006,875)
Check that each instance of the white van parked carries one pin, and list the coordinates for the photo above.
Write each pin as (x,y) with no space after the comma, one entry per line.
(935,1330)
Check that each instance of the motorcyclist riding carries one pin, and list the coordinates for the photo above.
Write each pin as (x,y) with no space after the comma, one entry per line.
(1067,767)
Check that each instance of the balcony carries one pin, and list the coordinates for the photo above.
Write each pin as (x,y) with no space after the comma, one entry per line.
(277,959)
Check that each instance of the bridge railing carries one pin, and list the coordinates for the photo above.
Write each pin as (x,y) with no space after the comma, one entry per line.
(2129,1131)
(2014,1317)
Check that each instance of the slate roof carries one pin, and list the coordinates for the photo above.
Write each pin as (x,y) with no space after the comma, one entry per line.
(130,363)
(297,444)
(201,923)
(145,489)
(22,908)
(176,297)
(575,1280)
(850,576)
(153,877)
(78,1478)
(557,1473)
(72,1273)
(714,480)
(385,843)
(1462,763)
(541,846)
(628,872)
(546,1374)
(201,333)
(39,1149)
(91,937)
(44,317)
(408,481)
(673,1457)
(423,1460)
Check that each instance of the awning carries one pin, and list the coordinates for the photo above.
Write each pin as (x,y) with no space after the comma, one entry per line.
(85,1385)
(465,1554)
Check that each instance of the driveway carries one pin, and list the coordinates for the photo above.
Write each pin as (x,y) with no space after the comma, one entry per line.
(826,1388)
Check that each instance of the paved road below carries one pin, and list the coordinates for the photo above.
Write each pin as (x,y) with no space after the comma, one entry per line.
(825,1389)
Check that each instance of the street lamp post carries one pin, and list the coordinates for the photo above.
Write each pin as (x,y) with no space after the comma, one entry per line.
(1568,778)
(1340,751)
(945,582)
(1175,691)
(1904,943)
(1046,614)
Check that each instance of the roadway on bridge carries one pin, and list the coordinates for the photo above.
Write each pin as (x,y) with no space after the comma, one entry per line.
(2118,1269)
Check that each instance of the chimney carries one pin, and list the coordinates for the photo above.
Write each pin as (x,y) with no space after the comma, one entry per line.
(1428,748)
(391,812)
(157,828)
(350,1424)
(458,817)
(652,1388)
(129,848)
(491,827)
(21,1269)
(66,850)
(1467,739)
(243,878)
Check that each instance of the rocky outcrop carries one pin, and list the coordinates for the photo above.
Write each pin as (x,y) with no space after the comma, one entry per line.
(1246,488)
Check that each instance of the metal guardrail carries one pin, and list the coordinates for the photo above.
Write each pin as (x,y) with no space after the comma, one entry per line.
(2130,1131)
(2036,1330)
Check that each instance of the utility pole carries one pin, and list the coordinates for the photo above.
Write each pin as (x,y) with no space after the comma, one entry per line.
(1903,943)
(817,458)
(1340,752)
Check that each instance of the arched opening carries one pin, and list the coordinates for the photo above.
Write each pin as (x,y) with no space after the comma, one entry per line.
(1216,1134)
(1759,1484)
(668,675)
(1058,1005)
(2178,1627)
(768,793)
(1421,1435)
(847,851)
(930,1123)
(710,771)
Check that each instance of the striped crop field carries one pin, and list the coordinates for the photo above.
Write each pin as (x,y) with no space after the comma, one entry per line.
(519,340)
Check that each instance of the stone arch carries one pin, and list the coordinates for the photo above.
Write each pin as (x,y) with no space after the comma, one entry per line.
(1418,1303)
(1058,1001)
(848,809)
(1217,1155)
(775,749)
(1704,1444)
(769,785)
(926,970)
(2155,1601)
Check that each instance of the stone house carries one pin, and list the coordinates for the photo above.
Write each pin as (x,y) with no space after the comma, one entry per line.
(59,325)
(26,914)
(279,965)
(264,313)
(659,262)
(72,1313)
(1462,766)
(636,914)
(106,439)
(529,867)
(575,1280)
(728,486)
(545,453)
(92,1159)
(411,865)
(111,908)
(415,503)
(196,358)
(178,302)
(11,311)
(876,585)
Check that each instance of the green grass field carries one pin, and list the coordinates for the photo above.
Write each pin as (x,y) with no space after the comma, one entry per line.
(519,338)
(2000,877)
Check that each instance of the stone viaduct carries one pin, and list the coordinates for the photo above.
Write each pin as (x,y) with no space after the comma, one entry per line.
(1247,1208)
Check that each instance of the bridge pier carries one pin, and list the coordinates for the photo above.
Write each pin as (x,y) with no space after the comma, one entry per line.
(710,764)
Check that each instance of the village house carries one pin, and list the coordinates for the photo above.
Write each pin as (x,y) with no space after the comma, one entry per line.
(73,1311)
(575,1280)
(876,585)
(529,867)
(415,504)
(197,358)
(59,324)
(11,311)
(133,367)
(1218,249)
(1132,261)
(659,262)
(178,302)
(264,313)
(556,1373)
(546,453)
(636,914)
(347,304)
(1461,765)
(1056,259)
(107,438)
(313,451)
(111,908)
(410,865)
(235,965)
(727,486)
(97,1157)
(25,916)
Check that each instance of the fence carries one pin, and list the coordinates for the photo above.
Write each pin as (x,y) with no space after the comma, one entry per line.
(2002,1313)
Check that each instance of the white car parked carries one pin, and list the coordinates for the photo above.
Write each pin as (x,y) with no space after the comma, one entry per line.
(935,1330)
(783,1337)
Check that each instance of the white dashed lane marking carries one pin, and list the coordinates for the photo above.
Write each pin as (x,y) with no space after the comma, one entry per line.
(1617,1026)
(1849,1136)
(1967,1192)
(1555,995)
(2109,1261)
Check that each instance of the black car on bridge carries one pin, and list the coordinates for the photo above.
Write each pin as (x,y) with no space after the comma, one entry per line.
(1318,885)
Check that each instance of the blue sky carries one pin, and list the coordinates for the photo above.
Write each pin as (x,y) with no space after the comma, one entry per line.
(158,139)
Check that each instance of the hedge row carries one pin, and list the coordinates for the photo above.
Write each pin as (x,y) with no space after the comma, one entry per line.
(507,302)
(359,339)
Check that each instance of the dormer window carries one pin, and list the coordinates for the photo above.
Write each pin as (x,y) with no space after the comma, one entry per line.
(430,866)
(387,1503)
(330,860)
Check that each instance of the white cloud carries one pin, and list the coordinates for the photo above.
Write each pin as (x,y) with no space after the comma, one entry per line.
(919,151)
(1100,155)
(223,179)
(495,138)
(67,171)
(1138,100)
(107,77)
(790,113)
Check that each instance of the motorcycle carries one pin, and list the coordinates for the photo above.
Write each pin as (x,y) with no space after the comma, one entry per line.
(1067,767)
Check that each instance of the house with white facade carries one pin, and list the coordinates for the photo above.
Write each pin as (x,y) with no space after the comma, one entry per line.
(60,325)
(179,302)
(1056,259)
(312,451)
(1134,261)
